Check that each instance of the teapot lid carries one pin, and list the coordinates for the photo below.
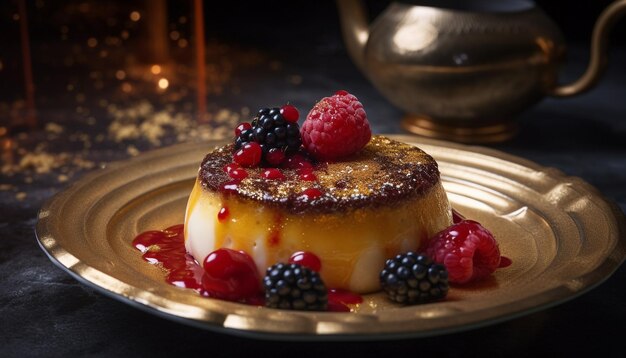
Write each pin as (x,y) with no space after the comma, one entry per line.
(498,6)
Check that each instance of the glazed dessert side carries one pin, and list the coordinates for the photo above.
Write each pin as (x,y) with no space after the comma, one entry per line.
(386,199)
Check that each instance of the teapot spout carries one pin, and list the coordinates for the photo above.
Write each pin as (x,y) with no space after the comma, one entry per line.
(599,49)
(354,28)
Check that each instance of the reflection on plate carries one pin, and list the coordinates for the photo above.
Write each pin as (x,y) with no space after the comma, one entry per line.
(561,235)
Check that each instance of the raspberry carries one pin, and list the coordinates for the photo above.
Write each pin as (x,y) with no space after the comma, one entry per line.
(336,127)
(467,249)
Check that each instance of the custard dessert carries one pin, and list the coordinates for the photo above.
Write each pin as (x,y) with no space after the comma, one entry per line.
(352,213)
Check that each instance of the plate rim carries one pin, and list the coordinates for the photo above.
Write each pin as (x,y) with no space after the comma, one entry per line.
(593,278)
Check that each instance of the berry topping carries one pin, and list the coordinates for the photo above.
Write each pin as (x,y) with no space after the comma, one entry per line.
(336,127)
(310,194)
(297,161)
(273,174)
(274,157)
(413,278)
(467,249)
(229,187)
(308,176)
(306,259)
(229,167)
(290,113)
(230,275)
(249,155)
(238,174)
(273,129)
(293,286)
(223,214)
(242,127)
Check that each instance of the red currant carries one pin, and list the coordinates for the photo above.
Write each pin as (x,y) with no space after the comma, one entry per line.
(249,155)
(341,93)
(242,127)
(238,174)
(290,113)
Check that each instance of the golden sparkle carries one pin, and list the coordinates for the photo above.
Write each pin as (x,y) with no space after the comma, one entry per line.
(163,83)
(135,16)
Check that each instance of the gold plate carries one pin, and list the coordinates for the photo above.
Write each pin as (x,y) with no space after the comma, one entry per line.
(561,235)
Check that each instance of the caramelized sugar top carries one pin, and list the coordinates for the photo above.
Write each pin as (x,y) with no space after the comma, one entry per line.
(384,173)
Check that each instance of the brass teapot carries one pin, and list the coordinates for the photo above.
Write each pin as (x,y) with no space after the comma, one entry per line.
(463,69)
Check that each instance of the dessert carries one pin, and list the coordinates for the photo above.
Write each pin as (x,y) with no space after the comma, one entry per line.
(372,204)
(326,212)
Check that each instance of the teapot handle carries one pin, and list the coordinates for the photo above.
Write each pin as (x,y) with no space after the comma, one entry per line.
(599,45)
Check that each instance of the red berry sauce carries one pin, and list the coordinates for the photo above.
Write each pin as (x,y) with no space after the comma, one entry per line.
(275,157)
(238,174)
(225,274)
(308,177)
(223,214)
(306,259)
(504,262)
(297,161)
(230,167)
(167,247)
(310,194)
(273,174)
(339,299)
(230,187)
(457,217)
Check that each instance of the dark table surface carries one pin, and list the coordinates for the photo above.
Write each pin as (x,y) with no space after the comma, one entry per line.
(45,312)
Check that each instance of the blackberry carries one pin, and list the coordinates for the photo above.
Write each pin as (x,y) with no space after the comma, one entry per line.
(272,130)
(293,286)
(411,278)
